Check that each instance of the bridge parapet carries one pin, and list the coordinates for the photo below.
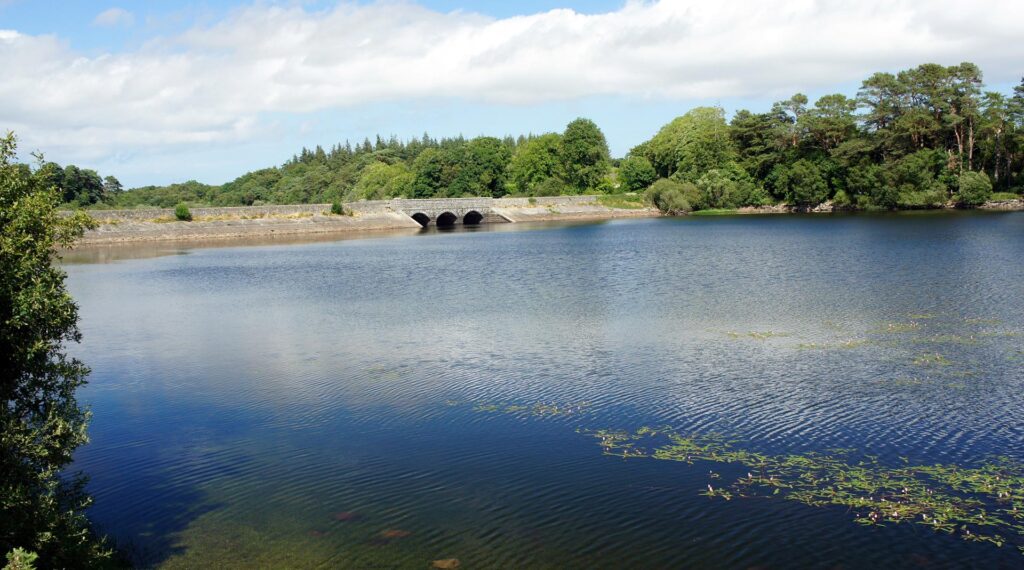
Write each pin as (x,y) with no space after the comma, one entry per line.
(407,205)
(448,211)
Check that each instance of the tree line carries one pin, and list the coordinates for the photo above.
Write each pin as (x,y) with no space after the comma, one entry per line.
(573,162)
(919,138)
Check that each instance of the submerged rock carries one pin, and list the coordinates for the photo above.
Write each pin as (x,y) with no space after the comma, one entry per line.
(446,564)
(392,533)
(347,516)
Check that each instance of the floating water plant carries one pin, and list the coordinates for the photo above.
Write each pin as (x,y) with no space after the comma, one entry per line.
(842,345)
(935,359)
(957,339)
(385,373)
(981,504)
(757,335)
(902,382)
(540,409)
(1003,334)
(982,321)
(895,328)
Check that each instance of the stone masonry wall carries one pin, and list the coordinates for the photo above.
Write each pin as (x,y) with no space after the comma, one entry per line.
(366,206)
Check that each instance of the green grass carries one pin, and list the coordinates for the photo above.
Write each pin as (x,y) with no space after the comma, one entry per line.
(622,201)
(1000,196)
(715,212)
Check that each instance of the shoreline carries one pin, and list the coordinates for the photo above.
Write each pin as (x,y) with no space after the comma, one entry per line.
(1016,205)
(154,225)
(158,225)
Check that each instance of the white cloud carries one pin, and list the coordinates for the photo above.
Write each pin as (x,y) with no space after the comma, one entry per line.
(211,83)
(114,17)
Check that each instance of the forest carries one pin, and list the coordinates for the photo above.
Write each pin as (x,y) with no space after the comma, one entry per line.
(920,138)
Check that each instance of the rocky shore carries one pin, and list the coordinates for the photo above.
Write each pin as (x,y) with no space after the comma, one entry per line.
(830,208)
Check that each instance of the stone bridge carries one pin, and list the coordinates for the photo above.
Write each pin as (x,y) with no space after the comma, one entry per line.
(444,212)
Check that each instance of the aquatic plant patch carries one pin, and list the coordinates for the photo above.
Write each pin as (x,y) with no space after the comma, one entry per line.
(757,335)
(539,409)
(934,359)
(896,328)
(841,345)
(984,503)
(982,321)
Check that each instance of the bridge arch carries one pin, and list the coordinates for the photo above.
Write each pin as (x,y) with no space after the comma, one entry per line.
(446,219)
(472,218)
(422,218)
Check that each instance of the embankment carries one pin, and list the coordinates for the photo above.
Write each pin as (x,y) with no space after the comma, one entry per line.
(116,226)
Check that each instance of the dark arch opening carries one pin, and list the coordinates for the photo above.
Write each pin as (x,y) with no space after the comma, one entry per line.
(446,219)
(472,218)
(422,218)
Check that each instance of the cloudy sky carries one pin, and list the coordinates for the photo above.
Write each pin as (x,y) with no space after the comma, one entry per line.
(159,91)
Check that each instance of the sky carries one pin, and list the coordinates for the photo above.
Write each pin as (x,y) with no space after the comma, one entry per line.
(156,91)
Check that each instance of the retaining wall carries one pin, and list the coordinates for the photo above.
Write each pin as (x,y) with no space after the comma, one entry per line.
(366,206)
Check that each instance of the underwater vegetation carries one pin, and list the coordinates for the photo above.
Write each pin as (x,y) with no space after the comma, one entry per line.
(982,321)
(845,344)
(935,359)
(981,502)
(984,503)
(897,328)
(540,409)
(757,335)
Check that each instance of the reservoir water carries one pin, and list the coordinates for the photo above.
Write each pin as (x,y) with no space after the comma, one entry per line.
(408,401)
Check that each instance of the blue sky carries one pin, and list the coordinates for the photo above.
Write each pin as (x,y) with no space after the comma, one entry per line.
(158,91)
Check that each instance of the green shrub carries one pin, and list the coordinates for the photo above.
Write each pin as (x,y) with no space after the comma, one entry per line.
(932,196)
(729,188)
(865,202)
(975,188)
(21,559)
(182,213)
(841,199)
(1004,196)
(337,209)
(801,184)
(551,187)
(670,196)
(636,173)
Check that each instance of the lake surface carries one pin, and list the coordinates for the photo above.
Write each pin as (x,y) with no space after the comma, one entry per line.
(395,401)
